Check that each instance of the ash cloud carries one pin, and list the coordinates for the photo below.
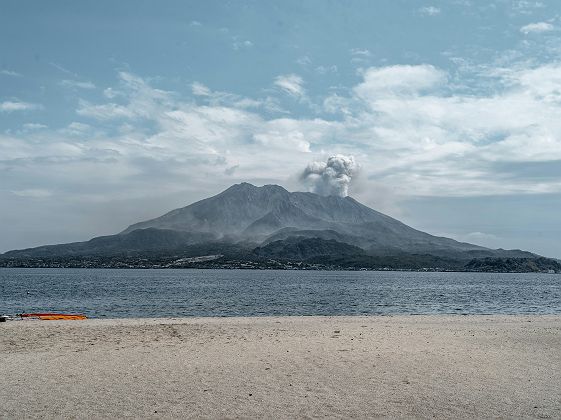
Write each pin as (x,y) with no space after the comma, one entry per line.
(332,177)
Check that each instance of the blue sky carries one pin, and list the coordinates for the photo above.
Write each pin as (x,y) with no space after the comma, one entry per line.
(113,112)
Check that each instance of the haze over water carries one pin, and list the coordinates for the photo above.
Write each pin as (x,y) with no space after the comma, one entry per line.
(103,293)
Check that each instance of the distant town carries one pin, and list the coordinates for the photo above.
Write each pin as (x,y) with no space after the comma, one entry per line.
(219,262)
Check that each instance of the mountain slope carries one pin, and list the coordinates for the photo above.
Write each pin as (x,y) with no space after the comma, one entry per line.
(246,212)
(248,217)
(227,213)
(303,249)
(136,242)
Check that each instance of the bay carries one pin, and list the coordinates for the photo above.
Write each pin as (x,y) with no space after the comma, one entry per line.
(107,293)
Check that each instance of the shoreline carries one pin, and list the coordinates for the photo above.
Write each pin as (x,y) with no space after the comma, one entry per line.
(235,318)
(329,269)
(392,366)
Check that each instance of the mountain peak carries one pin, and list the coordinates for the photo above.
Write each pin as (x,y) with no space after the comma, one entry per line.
(274,187)
(241,187)
(246,186)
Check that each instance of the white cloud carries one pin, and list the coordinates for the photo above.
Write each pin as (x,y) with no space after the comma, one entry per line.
(291,134)
(429,11)
(10,106)
(76,128)
(238,45)
(34,126)
(538,27)
(143,101)
(63,69)
(304,61)
(413,134)
(398,80)
(76,84)
(10,73)
(527,6)
(480,236)
(336,104)
(327,69)
(446,144)
(291,84)
(199,89)
(360,52)
(110,93)
(105,111)
(217,98)
(360,55)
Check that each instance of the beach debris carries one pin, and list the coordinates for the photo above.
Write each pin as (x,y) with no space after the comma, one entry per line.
(51,316)
(4,318)
(43,316)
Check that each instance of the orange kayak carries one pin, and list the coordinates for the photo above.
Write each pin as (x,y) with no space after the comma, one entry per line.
(54,316)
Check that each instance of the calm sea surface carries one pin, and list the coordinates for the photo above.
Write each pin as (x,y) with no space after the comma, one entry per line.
(103,293)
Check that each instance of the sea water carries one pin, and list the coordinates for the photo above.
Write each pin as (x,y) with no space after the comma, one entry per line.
(107,293)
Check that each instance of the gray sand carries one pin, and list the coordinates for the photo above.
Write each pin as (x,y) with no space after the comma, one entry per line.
(303,367)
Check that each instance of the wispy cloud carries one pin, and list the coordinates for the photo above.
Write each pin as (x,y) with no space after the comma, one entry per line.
(105,111)
(77,129)
(327,69)
(199,89)
(63,69)
(110,93)
(218,98)
(360,56)
(76,84)
(143,100)
(238,45)
(10,73)
(538,27)
(429,11)
(526,6)
(360,52)
(34,126)
(291,84)
(304,61)
(10,106)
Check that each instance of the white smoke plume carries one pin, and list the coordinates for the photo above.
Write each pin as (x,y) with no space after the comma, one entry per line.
(332,177)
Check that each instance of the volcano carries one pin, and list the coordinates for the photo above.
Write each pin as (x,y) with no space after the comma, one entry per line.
(251,222)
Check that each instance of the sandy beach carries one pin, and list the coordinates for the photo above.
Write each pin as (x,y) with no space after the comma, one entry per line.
(290,367)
